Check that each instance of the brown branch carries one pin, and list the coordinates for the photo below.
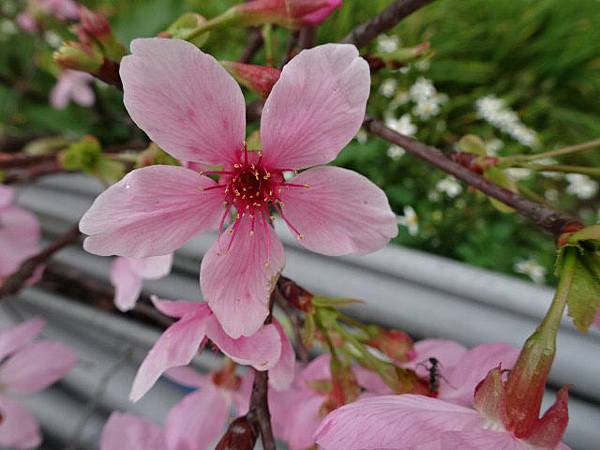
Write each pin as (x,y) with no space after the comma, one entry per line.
(384,21)
(307,37)
(255,42)
(19,160)
(32,173)
(550,220)
(259,409)
(296,321)
(15,282)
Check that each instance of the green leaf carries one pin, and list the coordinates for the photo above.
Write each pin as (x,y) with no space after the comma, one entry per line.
(500,177)
(586,234)
(110,171)
(83,155)
(583,298)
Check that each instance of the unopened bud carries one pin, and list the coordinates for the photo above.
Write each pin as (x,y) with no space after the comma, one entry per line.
(79,56)
(259,79)
(395,344)
(239,436)
(94,27)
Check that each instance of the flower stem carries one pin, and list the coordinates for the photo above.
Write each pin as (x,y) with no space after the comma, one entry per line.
(592,171)
(558,152)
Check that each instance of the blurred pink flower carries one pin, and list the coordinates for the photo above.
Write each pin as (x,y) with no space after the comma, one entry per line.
(194,423)
(27,368)
(292,13)
(72,85)
(126,275)
(182,340)
(313,111)
(61,9)
(27,22)
(597,320)
(19,234)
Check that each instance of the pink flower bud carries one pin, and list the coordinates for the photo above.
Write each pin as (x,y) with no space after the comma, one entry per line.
(393,343)
(259,79)
(288,13)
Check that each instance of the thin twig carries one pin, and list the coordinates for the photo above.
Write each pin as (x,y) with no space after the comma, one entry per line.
(255,42)
(32,173)
(259,409)
(15,282)
(19,160)
(550,220)
(307,37)
(382,22)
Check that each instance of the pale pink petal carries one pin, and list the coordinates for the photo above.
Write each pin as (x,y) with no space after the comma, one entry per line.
(447,352)
(241,396)
(36,367)
(304,420)
(19,238)
(597,320)
(318,16)
(127,283)
(340,212)
(126,431)
(7,196)
(27,22)
(154,267)
(60,94)
(317,369)
(315,108)
(282,374)
(371,381)
(184,100)
(197,421)
(482,440)
(260,350)
(175,347)
(461,381)
(180,308)
(152,211)
(392,421)
(238,283)
(280,405)
(18,428)
(13,338)
(83,95)
(188,377)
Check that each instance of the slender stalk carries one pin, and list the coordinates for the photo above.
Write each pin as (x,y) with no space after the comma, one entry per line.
(558,152)
(563,168)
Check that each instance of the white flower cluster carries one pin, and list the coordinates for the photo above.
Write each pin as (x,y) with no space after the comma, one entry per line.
(532,269)
(449,186)
(427,99)
(403,125)
(387,44)
(410,220)
(581,186)
(494,111)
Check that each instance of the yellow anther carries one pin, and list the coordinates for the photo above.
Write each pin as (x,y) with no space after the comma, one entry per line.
(300,237)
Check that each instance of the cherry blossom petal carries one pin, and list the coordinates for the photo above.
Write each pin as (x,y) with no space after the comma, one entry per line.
(316,107)
(19,238)
(341,212)
(282,374)
(304,421)
(198,420)
(261,350)
(151,211)
(184,100)
(36,367)
(180,308)
(188,377)
(154,267)
(371,381)
(127,283)
(317,369)
(18,428)
(482,440)
(126,431)
(238,283)
(13,338)
(6,196)
(392,421)
(472,368)
(175,347)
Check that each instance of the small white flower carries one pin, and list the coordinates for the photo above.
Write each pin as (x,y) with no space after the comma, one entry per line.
(403,125)
(494,111)
(532,269)
(388,44)
(493,146)
(423,65)
(422,88)
(53,39)
(426,108)
(449,186)
(409,220)
(395,152)
(7,27)
(388,87)
(548,162)
(581,186)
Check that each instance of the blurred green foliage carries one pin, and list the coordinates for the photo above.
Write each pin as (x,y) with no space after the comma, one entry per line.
(540,56)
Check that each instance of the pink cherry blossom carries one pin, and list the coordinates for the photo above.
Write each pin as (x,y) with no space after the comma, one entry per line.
(194,423)
(182,340)
(313,111)
(413,422)
(61,9)
(27,368)
(19,234)
(126,275)
(73,86)
(27,22)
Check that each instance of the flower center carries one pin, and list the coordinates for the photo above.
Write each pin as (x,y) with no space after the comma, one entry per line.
(253,190)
